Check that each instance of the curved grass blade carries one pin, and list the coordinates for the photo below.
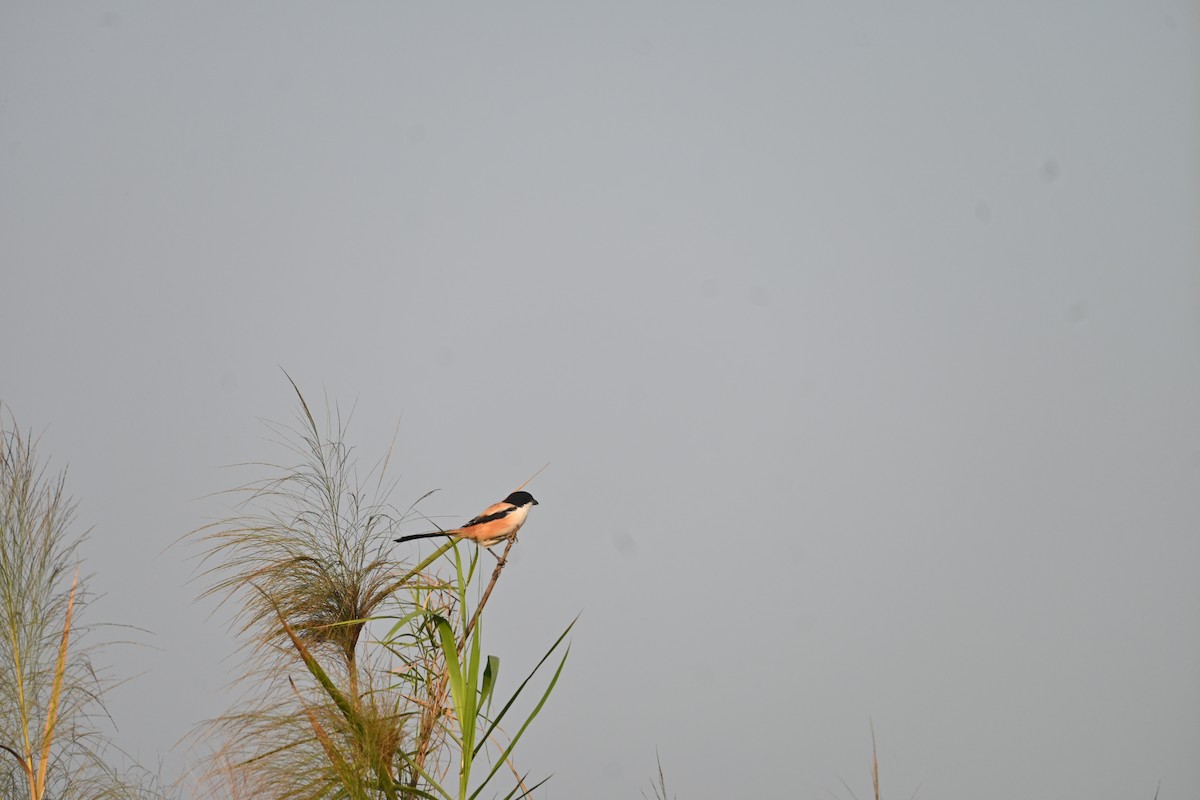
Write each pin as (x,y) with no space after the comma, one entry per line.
(511,700)
(491,673)
(527,792)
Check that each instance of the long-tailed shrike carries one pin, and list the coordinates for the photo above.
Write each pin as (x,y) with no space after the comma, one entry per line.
(497,523)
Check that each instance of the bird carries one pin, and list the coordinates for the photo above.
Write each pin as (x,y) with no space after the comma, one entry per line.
(497,522)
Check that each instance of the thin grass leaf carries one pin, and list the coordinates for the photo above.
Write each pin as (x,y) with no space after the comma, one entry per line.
(874,762)
(491,673)
(496,722)
(527,792)
(660,791)
(462,582)
(60,669)
(401,623)
(472,696)
(450,652)
(24,767)
(403,580)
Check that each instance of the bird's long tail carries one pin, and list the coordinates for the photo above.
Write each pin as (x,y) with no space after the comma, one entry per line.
(412,536)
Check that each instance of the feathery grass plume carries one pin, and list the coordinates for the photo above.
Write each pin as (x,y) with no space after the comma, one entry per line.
(52,738)
(305,559)
(308,540)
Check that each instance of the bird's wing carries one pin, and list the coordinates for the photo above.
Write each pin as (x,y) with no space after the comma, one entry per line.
(491,513)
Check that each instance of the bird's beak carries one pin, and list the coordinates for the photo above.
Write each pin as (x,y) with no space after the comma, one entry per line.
(536,503)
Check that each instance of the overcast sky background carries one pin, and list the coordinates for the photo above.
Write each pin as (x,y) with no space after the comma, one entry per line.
(863,338)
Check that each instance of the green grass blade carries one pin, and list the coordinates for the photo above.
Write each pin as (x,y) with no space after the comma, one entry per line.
(450,652)
(462,582)
(528,678)
(491,673)
(471,701)
(407,618)
(528,791)
(403,579)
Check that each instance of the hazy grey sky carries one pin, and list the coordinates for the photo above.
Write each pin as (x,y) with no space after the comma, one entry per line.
(863,338)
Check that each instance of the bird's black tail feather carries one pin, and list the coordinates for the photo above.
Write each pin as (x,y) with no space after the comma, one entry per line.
(412,536)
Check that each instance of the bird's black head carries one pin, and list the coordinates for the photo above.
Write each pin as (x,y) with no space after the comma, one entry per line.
(521,499)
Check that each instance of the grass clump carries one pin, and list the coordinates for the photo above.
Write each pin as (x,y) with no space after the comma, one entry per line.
(364,676)
(53,741)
